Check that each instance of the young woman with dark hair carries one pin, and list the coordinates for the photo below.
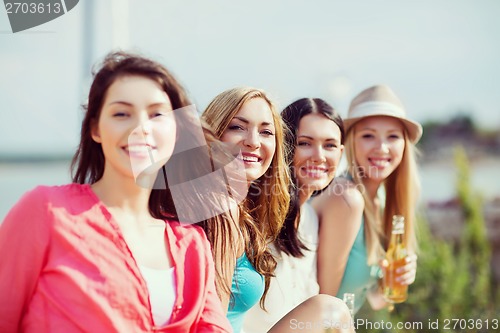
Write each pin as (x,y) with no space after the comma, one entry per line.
(107,253)
(314,141)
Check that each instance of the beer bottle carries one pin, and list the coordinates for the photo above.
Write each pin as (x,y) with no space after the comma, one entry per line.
(395,292)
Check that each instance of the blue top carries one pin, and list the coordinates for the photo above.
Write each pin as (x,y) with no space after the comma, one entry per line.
(358,277)
(247,289)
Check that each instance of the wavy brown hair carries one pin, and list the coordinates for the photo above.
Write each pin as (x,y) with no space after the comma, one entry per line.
(264,210)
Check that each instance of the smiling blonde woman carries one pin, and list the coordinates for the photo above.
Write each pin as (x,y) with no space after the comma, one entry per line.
(355,218)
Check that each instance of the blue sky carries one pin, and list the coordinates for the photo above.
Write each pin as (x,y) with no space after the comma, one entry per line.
(439,56)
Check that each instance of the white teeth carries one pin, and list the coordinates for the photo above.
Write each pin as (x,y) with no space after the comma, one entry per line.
(381,163)
(138,149)
(315,172)
(250,159)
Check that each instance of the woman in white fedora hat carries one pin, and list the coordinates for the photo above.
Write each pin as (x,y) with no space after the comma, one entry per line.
(356,210)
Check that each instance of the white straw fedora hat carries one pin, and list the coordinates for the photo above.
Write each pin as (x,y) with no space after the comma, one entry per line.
(380,100)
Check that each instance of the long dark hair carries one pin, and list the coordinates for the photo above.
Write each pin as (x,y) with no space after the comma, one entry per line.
(288,240)
(88,162)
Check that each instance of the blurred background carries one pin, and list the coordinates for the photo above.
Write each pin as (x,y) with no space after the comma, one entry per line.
(441,58)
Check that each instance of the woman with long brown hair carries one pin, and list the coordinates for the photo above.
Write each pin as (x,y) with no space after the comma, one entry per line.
(246,120)
(315,140)
(107,253)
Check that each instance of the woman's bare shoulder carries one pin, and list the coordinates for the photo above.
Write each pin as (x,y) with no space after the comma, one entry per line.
(342,193)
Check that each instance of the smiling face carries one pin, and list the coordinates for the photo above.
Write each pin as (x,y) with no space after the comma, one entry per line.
(317,152)
(136,127)
(252,132)
(379,146)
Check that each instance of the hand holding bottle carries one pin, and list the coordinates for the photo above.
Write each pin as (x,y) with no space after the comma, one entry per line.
(405,274)
(399,267)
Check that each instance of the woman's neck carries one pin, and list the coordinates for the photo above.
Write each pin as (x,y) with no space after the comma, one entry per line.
(304,195)
(371,188)
(123,194)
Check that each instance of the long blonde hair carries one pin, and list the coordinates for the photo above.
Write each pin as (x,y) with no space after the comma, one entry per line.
(402,189)
(263,212)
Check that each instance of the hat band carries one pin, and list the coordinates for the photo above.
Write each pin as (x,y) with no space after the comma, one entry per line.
(377,108)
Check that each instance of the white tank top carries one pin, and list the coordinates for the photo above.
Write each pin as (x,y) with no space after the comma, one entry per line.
(295,279)
(161,285)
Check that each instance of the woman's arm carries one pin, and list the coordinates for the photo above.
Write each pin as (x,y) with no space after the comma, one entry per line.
(24,238)
(340,211)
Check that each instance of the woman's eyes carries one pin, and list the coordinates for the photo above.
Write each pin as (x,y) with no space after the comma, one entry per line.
(267,133)
(241,128)
(391,136)
(120,114)
(327,146)
(157,114)
(123,114)
(235,127)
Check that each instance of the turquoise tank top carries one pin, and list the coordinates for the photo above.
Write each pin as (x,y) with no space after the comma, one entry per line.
(247,289)
(358,277)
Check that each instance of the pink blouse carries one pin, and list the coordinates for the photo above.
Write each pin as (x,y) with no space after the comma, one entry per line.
(65,267)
